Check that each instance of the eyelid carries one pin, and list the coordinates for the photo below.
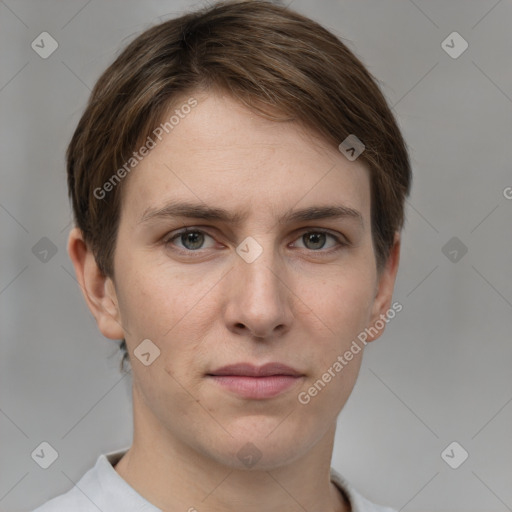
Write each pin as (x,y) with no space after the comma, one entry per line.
(341,239)
(188,229)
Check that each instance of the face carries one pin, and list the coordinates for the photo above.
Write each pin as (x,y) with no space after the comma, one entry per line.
(277,265)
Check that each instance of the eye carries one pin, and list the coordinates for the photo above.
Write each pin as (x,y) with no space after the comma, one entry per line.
(191,239)
(315,240)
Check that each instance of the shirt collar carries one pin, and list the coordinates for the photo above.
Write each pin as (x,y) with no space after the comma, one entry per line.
(109,478)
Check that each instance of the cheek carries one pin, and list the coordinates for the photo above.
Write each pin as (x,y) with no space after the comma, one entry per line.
(354,304)
(172,309)
(344,308)
(154,297)
(343,300)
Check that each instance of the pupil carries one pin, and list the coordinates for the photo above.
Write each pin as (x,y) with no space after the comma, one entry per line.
(315,238)
(195,239)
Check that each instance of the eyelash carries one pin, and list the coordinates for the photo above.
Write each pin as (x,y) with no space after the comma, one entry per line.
(174,235)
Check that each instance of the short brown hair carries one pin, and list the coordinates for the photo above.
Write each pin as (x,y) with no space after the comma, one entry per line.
(268,57)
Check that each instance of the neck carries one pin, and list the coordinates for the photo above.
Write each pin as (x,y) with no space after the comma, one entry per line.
(173,476)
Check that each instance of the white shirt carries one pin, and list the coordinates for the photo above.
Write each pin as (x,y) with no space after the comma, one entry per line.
(102,488)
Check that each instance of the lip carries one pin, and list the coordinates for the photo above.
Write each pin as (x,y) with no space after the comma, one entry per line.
(250,370)
(256,382)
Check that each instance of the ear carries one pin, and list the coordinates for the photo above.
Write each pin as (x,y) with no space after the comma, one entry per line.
(384,290)
(98,289)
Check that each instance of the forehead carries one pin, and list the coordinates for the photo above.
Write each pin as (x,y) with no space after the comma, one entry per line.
(221,154)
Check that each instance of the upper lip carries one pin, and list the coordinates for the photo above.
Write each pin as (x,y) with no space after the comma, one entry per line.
(250,370)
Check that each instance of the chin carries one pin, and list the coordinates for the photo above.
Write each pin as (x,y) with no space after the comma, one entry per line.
(261,456)
(256,447)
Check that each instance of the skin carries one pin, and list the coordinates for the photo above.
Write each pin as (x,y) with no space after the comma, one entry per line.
(300,303)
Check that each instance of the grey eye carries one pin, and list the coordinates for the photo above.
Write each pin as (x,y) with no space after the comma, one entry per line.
(192,240)
(314,240)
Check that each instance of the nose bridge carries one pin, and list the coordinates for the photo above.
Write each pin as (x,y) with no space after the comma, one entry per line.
(259,268)
(261,299)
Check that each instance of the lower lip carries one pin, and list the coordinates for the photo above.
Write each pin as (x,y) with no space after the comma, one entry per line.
(256,387)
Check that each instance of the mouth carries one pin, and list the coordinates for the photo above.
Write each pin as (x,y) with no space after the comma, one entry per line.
(256,382)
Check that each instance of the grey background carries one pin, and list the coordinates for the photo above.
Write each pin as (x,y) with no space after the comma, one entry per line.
(442,370)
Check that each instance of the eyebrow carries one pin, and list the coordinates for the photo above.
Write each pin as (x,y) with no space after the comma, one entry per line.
(202,211)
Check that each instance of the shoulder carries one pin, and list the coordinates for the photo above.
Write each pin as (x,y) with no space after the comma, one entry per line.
(358,502)
(91,493)
(101,488)
(71,500)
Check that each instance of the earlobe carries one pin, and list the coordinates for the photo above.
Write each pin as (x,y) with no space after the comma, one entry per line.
(97,288)
(384,293)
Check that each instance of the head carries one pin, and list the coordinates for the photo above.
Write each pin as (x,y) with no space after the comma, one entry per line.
(227,122)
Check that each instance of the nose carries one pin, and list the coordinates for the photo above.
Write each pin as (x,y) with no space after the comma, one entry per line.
(259,300)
